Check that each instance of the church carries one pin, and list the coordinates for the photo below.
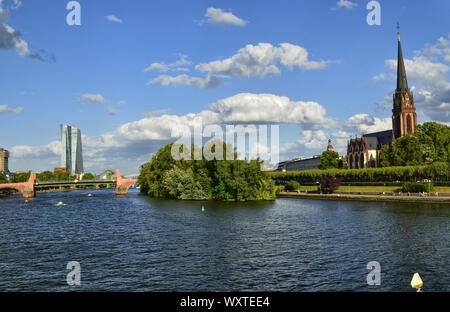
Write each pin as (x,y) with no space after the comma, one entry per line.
(364,152)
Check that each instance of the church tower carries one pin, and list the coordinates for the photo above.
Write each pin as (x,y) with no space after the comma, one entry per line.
(404,118)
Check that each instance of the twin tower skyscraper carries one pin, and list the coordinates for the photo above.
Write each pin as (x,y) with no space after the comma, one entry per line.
(72,152)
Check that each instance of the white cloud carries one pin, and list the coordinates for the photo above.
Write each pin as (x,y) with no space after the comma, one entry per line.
(346,4)
(220,17)
(364,123)
(92,98)
(7,109)
(113,18)
(130,144)
(10,38)
(112,111)
(261,60)
(185,80)
(268,108)
(25,151)
(427,69)
(162,67)
(156,112)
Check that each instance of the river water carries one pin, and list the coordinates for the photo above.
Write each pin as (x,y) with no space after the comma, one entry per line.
(133,243)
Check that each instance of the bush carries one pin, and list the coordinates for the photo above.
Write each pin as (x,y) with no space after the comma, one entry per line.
(292,186)
(329,184)
(416,187)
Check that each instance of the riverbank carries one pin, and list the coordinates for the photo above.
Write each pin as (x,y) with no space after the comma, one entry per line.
(376,198)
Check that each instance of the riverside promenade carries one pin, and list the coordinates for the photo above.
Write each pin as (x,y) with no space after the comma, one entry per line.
(441,199)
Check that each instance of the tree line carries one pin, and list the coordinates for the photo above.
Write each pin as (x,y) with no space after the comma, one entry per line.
(165,177)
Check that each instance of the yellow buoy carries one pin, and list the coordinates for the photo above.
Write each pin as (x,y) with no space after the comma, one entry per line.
(416,282)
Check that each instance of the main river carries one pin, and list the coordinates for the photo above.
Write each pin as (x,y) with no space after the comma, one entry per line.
(133,243)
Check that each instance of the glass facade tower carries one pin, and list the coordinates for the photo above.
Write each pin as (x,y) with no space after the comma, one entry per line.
(71,155)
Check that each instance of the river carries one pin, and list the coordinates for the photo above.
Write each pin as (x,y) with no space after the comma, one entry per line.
(133,243)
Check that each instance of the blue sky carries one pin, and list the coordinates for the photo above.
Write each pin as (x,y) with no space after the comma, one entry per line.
(94,75)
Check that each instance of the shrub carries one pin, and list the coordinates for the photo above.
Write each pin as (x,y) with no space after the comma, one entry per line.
(329,184)
(416,187)
(292,186)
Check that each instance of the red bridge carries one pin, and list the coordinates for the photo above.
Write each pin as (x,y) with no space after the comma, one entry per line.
(28,189)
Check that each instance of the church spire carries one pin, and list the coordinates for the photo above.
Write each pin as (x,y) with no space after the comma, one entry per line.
(402,82)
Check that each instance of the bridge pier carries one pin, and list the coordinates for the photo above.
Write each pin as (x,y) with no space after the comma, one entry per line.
(26,188)
(122,185)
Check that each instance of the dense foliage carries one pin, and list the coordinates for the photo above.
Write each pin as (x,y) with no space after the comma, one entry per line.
(292,186)
(165,177)
(48,176)
(416,187)
(3,179)
(430,143)
(88,176)
(329,160)
(436,171)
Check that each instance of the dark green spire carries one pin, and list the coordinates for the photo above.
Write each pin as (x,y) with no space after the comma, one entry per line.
(402,82)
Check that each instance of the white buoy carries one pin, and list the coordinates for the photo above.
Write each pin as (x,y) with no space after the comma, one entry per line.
(59,204)
(89,195)
(416,282)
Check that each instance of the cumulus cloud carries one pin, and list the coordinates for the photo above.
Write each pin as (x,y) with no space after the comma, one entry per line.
(11,38)
(427,74)
(364,123)
(92,98)
(156,112)
(7,109)
(346,4)
(220,17)
(114,19)
(24,151)
(162,67)
(136,141)
(262,60)
(253,60)
(268,108)
(185,80)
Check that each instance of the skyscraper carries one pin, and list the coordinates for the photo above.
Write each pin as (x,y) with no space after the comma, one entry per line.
(4,154)
(71,155)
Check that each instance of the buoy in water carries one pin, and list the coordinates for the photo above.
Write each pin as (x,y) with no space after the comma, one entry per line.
(416,282)
(203,208)
(60,204)
(89,195)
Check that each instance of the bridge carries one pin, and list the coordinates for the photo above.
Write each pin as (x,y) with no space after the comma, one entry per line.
(28,189)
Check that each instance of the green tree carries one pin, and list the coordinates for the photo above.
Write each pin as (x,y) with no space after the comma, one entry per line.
(385,156)
(3,179)
(292,186)
(435,140)
(329,159)
(63,176)
(88,177)
(407,151)
(165,177)
(21,177)
(45,176)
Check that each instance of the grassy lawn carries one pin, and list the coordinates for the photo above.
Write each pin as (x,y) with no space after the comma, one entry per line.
(371,189)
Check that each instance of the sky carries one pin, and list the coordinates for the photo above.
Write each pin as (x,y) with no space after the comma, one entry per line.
(135,69)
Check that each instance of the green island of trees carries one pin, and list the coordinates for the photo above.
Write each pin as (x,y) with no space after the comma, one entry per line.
(239,180)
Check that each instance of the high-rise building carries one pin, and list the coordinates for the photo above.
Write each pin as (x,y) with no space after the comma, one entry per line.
(4,155)
(72,154)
